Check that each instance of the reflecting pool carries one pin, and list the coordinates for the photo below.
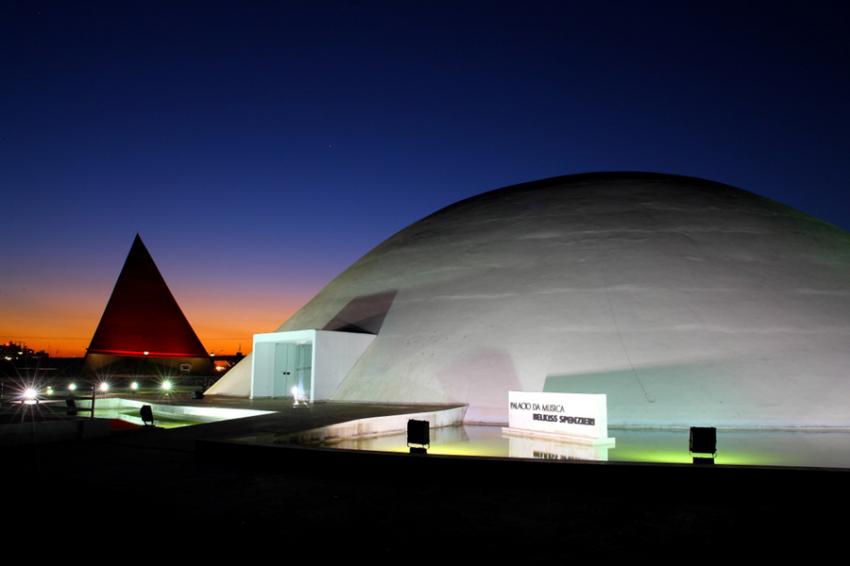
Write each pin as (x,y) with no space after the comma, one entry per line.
(755,448)
(165,415)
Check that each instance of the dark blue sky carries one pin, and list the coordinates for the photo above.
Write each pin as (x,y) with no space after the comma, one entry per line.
(260,147)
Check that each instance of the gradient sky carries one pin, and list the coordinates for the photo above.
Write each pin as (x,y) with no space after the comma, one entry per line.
(261,147)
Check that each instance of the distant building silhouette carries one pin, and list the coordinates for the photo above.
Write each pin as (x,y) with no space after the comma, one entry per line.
(14,351)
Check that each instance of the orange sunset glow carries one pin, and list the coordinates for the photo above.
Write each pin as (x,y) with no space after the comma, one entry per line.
(62,322)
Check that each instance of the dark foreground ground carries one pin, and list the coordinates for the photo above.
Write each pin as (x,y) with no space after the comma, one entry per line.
(144,496)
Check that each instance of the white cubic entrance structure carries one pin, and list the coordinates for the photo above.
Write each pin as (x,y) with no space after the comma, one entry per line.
(312,363)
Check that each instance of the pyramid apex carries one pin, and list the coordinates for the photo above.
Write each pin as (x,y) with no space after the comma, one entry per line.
(142,317)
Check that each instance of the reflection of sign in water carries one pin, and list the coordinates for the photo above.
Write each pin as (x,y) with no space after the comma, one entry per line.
(574,417)
(550,449)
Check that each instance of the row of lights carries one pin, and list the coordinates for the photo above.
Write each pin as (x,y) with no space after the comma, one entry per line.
(104,386)
(32,393)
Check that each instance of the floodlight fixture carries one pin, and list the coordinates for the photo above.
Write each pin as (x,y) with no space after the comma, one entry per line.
(146,413)
(702,444)
(418,436)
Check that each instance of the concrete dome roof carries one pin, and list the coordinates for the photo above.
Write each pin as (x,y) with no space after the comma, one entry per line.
(686,301)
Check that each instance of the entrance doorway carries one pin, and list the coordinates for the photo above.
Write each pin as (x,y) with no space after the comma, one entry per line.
(293,369)
(313,362)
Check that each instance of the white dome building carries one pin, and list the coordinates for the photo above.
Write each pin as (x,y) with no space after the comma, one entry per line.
(686,301)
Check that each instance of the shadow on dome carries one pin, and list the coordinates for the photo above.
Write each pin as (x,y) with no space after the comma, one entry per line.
(364,314)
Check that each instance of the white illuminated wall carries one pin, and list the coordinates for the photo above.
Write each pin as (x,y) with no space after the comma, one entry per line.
(686,302)
(333,355)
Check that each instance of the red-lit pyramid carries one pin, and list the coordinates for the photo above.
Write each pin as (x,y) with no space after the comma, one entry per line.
(142,318)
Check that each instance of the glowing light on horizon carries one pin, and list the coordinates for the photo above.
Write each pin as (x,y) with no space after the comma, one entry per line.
(30,395)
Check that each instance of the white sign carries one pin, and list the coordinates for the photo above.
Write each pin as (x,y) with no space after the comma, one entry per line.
(575,416)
